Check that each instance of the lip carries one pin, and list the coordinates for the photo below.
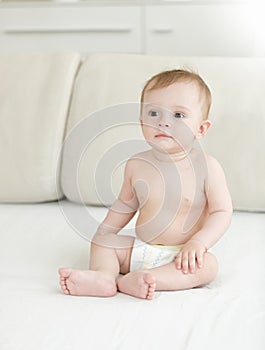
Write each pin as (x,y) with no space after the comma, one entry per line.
(163,136)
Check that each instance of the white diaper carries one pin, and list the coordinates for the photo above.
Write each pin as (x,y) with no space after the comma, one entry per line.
(148,256)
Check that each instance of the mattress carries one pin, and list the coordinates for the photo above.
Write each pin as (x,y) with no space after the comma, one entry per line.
(36,239)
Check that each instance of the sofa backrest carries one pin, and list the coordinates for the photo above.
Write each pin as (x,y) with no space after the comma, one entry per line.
(103,125)
(102,129)
(35,92)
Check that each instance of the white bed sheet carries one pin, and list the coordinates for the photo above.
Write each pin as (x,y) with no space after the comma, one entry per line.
(36,239)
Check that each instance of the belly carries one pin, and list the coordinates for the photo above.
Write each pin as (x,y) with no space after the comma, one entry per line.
(169,227)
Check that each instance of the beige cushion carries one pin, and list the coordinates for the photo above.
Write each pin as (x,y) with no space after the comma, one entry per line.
(35,91)
(235,139)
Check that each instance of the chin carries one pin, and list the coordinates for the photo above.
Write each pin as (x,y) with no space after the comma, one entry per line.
(167,149)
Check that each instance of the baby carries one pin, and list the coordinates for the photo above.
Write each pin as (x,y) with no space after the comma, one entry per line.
(180,193)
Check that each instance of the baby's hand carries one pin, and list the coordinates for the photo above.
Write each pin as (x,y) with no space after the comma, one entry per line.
(186,259)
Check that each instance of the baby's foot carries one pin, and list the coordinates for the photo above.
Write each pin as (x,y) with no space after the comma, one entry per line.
(139,284)
(87,283)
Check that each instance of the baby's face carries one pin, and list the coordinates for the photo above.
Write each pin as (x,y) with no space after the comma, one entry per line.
(172,117)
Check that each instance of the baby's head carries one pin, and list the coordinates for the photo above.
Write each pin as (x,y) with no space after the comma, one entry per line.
(175,106)
(166,78)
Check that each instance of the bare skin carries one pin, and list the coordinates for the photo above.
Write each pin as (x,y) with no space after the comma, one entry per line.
(181,196)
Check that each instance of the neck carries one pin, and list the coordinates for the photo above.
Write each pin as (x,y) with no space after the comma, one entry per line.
(170,157)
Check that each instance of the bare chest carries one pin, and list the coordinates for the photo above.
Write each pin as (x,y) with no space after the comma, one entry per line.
(169,186)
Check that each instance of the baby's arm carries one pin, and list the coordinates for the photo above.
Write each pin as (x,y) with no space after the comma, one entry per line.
(122,210)
(220,213)
(219,206)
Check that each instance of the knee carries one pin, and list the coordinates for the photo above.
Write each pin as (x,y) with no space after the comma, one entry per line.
(210,267)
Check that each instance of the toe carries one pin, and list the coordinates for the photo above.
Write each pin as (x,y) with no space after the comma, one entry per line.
(149,278)
(62,282)
(150,294)
(64,288)
(64,272)
(64,275)
(151,289)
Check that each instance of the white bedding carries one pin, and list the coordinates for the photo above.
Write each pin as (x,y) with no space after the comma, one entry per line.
(36,239)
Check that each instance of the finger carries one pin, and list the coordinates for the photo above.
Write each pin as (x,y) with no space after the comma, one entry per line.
(178,261)
(192,261)
(185,262)
(199,257)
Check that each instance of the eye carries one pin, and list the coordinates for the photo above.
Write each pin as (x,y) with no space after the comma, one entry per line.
(153,113)
(179,115)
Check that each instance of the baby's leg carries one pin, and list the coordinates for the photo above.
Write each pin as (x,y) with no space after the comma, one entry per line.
(169,278)
(105,264)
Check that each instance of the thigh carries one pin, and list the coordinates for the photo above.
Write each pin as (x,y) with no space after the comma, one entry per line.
(169,278)
(120,245)
(124,253)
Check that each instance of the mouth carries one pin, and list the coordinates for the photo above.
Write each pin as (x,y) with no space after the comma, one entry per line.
(163,136)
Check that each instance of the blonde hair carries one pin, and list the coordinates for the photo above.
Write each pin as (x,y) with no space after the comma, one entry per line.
(169,77)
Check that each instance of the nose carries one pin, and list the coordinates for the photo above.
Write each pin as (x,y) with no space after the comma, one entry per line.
(164,121)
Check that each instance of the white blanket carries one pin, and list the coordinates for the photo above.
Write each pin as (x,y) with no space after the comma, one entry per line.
(36,239)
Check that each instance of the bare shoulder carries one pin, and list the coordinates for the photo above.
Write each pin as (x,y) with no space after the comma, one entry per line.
(137,159)
(216,176)
(219,198)
(213,165)
(142,155)
(204,161)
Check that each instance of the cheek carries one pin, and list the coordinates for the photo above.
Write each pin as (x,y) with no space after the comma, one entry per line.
(147,130)
(183,134)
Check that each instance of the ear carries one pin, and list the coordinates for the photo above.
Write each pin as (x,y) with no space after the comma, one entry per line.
(204,127)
